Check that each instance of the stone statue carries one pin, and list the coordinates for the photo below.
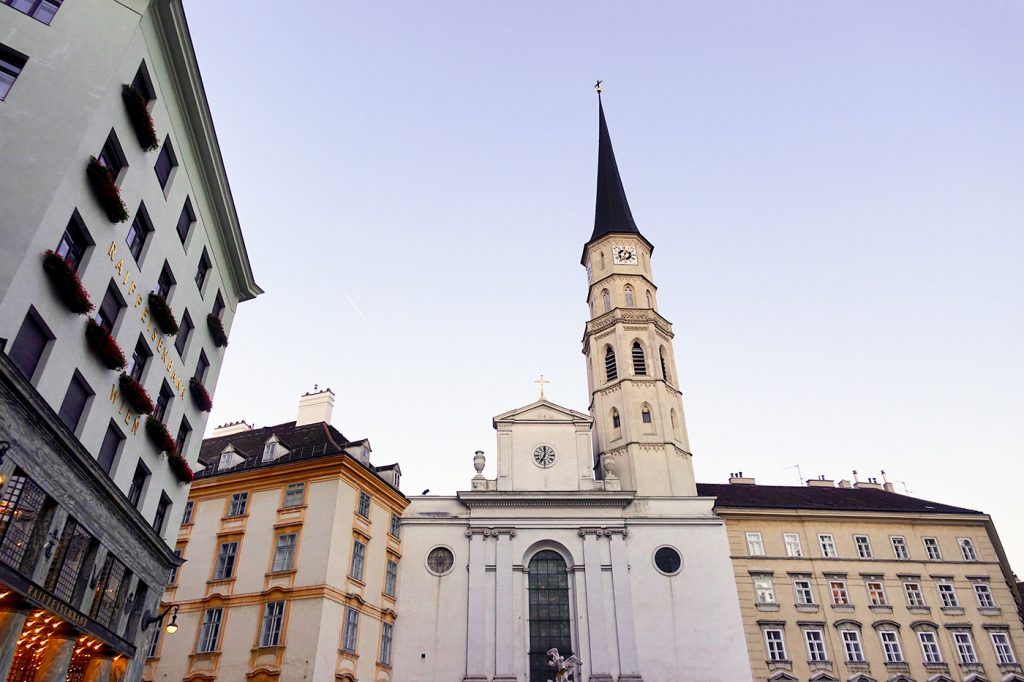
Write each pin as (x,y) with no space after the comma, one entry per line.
(564,667)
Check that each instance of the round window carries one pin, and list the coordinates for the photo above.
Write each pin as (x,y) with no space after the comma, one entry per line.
(440,560)
(667,560)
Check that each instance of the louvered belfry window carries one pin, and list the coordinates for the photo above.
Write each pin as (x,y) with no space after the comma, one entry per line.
(639,363)
(610,370)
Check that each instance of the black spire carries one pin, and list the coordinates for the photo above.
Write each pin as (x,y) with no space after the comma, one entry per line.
(611,213)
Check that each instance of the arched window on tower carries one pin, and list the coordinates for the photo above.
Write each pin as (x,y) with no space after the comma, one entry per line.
(650,299)
(675,423)
(664,365)
(629,297)
(550,624)
(639,363)
(611,372)
(606,298)
(601,253)
(645,414)
(616,422)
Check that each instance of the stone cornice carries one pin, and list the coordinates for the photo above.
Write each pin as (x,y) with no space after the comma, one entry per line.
(546,499)
(627,316)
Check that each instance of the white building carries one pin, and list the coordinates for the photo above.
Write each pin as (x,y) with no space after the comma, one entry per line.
(592,538)
(108,157)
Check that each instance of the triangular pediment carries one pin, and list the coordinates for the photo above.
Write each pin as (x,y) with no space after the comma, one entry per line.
(543,411)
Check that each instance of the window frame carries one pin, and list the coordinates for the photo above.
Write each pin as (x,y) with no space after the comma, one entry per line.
(819,652)
(794,548)
(363,504)
(208,643)
(387,636)
(804,593)
(843,592)
(983,588)
(239,498)
(827,546)
(350,631)
(963,642)
(853,647)
(271,625)
(391,578)
(876,592)
(753,544)
(775,644)
(953,601)
(932,551)
(168,147)
(914,595)
(967,549)
(1005,655)
(226,561)
(764,586)
(930,651)
(357,567)
(900,548)
(290,492)
(862,543)
(284,553)
(892,650)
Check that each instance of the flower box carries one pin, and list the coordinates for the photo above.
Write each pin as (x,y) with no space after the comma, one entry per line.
(161,313)
(159,436)
(106,191)
(200,395)
(103,346)
(180,467)
(66,284)
(220,339)
(135,395)
(140,117)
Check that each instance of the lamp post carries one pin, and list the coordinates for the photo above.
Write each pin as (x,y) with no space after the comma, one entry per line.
(148,618)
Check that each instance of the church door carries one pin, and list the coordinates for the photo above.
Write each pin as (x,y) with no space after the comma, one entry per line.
(549,612)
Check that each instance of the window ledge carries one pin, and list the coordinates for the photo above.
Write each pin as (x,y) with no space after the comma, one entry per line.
(1010,668)
(936,667)
(880,608)
(278,574)
(357,581)
(919,609)
(267,649)
(860,666)
(843,607)
(807,608)
(292,507)
(221,581)
(897,665)
(990,611)
(820,665)
(767,607)
(953,610)
(236,516)
(972,667)
(348,654)
(784,664)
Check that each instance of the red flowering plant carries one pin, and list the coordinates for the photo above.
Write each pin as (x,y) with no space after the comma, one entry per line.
(180,467)
(161,313)
(66,284)
(135,394)
(200,395)
(105,189)
(140,117)
(103,346)
(220,338)
(159,436)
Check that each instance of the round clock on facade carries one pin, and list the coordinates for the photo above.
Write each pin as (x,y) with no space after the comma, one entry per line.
(624,254)
(544,455)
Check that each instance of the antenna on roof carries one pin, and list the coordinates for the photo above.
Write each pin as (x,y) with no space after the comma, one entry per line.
(799,473)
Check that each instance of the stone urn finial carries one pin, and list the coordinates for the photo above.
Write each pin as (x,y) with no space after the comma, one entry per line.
(478,462)
(609,465)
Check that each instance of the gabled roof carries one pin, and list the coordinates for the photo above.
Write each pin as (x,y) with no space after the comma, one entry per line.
(541,411)
(838,499)
(308,438)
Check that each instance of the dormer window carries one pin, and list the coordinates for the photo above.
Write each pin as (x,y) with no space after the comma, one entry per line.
(268,451)
(225,459)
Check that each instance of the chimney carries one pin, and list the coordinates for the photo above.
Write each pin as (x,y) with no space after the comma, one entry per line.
(230,428)
(737,478)
(820,482)
(870,483)
(315,407)
(845,483)
(889,488)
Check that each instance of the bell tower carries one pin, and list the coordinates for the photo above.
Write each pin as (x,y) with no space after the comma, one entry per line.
(639,427)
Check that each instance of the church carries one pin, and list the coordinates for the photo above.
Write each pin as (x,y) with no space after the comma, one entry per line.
(592,540)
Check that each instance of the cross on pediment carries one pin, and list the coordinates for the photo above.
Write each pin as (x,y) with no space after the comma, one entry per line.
(542,381)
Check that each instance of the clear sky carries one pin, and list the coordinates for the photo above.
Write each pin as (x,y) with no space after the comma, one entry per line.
(834,191)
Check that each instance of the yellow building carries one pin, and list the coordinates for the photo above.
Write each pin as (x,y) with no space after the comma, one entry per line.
(291,543)
(859,583)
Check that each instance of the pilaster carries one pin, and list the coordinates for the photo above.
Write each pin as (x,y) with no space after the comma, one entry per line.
(476,664)
(629,668)
(599,665)
(504,666)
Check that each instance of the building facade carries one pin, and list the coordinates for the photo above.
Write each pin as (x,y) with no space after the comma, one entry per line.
(291,545)
(121,270)
(860,583)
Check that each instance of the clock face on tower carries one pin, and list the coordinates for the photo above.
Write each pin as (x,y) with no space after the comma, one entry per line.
(624,254)
(544,455)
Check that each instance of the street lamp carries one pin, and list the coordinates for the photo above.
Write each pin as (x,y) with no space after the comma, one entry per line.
(148,619)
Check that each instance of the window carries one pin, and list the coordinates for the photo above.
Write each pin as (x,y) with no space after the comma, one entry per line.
(284,552)
(225,561)
(965,647)
(395,521)
(110,310)
(270,627)
(268,451)
(1004,651)
(915,597)
(68,560)
(111,157)
(851,645)
(984,594)
(840,597)
(185,220)
(75,400)
(162,508)
(899,547)
(755,544)
(876,593)
(165,163)
(239,501)
(616,422)
(358,559)
(967,549)
(172,576)
(29,344)
(863,546)
(947,596)
(73,243)
(661,355)
(630,301)
(775,645)
(138,232)
(165,282)
(209,632)
(792,541)
(11,64)
(891,646)
(112,440)
(804,593)
(763,590)
(140,356)
(23,526)
(611,372)
(549,617)
(218,306)
(606,298)
(639,363)
(184,331)
(225,458)
(143,84)
(294,494)
(182,440)
(351,635)
(440,560)
(108,592)
(162,401)
(203,269)
(391,578)
(364,505)
(828,545)
(931,548)
(43,10)
(667,560)
(153,644)
(385,642)
(815,645)
(186,518)
(202,367)
(929,646)
(645,414)
(138,483)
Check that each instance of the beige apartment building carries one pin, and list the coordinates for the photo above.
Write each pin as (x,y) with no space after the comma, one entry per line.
(291,546)
(859,583)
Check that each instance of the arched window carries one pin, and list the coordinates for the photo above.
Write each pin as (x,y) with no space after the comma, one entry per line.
(550,623)
(639,363)
(629,297)
(650,299)
(664,365)
(602,259)
(675,422)
(611,372)
(645,414)
(606,298)
(616,422)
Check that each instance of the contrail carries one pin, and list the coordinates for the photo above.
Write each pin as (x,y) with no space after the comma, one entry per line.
(358,310)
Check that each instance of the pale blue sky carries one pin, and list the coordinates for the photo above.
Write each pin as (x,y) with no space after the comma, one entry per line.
(834,191)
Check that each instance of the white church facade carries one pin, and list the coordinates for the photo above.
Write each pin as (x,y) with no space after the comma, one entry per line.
(591,539)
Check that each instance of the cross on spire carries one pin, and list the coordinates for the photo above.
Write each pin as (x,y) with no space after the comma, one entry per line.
(542,381)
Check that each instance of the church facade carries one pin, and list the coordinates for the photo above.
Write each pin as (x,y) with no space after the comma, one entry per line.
(592,539)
